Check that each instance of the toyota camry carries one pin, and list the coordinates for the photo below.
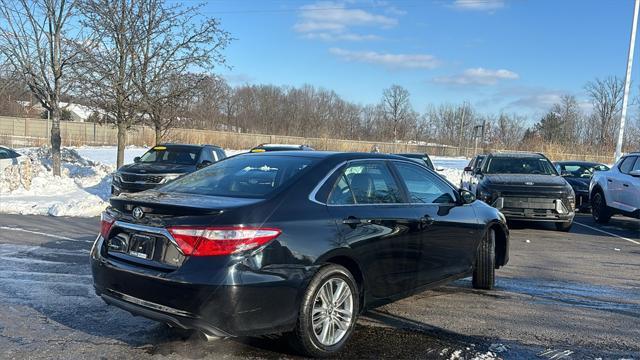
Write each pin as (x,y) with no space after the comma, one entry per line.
(294,243)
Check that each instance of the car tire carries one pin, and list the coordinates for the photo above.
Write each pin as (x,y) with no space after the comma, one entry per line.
(305,338)
(564,226)
(484,271)
(599,209)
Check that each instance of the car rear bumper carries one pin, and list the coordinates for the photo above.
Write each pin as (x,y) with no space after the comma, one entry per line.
(234,300)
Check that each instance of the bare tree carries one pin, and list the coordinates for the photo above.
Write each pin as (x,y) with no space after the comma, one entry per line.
(33,40)
(174,42)
(397,108)
(606,97)
(106,78)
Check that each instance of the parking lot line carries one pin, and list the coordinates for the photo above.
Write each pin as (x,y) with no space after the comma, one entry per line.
(59,237)
(608,233)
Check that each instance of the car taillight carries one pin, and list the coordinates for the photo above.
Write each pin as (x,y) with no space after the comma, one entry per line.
(208,241)
(106,222)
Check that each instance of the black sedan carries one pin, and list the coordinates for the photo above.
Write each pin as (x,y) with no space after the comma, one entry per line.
(578,174)
(296,242)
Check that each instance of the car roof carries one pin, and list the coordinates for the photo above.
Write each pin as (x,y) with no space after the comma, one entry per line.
(339,156)
(420,155)
(579,162)
(195,146)
(516,154)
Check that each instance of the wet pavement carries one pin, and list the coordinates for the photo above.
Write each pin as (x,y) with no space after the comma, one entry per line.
(563,296)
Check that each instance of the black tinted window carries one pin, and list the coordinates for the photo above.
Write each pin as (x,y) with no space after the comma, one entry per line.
(367,183)
(517,165)
(173,155)
(242,176)
(423,186)
(341,193)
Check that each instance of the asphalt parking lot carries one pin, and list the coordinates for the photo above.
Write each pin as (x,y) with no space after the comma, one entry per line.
(563,295)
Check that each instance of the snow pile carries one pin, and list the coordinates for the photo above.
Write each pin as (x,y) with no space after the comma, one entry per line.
(82,190)
(452,167)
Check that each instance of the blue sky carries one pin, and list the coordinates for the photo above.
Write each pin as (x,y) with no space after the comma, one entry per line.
(500,55)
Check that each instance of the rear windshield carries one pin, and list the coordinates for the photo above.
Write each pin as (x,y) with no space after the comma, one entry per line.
(242,176)
(172,155)
(516,165)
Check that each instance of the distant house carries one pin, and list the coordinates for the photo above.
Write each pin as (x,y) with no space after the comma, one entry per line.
(77,112)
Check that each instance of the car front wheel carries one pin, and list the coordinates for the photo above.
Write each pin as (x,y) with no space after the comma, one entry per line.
(484,272)
(327,314)
(599,209)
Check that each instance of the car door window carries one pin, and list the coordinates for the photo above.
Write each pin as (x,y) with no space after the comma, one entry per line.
(627,164)
(205,155)
(637,165)
(220,154)
(365,183)
(424,187)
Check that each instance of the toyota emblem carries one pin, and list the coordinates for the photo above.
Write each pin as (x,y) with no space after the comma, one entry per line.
(137,213)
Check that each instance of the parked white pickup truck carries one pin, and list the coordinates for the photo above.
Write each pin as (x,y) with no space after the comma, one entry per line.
(616,191)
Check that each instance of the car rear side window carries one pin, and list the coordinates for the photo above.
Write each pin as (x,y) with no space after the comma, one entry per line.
(424,187)
(627,164)
(242,176)
(365,183)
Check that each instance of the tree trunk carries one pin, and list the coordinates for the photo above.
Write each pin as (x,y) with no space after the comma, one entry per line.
(55,141)
(122,143)
(158,129)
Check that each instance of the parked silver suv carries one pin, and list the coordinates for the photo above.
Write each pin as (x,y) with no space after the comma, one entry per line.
(616,191)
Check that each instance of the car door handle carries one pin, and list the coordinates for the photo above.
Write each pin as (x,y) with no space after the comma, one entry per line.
(625,185)
(353,221)
(609,180)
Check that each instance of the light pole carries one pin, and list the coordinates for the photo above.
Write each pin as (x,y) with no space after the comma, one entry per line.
(627,81)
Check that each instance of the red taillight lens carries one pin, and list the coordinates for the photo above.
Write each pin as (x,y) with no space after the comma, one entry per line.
(209,241)
(106,222)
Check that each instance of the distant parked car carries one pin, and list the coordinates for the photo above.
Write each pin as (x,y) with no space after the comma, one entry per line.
(8,157)
(616,191)
(280,147)
(162,164)
(526,186)
(421,158)
(468,181)
(578,174)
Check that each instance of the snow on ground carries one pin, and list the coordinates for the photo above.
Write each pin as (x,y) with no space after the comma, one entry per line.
(84,188)
(452,167)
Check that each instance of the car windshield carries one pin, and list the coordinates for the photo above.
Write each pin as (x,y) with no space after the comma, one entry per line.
(519,165)
(172,155)
(247,176)
(582,170)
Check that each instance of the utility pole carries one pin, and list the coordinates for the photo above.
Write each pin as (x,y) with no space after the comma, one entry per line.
(627,81)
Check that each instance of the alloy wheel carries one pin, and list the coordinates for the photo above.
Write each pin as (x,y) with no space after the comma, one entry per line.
(332,311)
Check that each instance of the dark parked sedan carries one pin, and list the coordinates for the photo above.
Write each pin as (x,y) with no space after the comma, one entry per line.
(578,174)
(292,242)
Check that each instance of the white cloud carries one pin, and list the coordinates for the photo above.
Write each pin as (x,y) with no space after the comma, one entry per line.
(411,61)
(331,21)
(478,5)
(478,76)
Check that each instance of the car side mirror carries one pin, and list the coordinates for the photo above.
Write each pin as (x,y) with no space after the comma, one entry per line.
(635,173)
(564,173)
(136,159)
(204,164)
(467,196)
(468,169)
(439,168)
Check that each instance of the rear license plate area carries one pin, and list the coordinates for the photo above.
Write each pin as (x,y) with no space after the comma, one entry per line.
(142,246)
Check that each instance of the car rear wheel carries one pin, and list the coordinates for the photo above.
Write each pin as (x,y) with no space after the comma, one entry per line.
(564,226)
(484,272)
(599,209)
(327,314)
